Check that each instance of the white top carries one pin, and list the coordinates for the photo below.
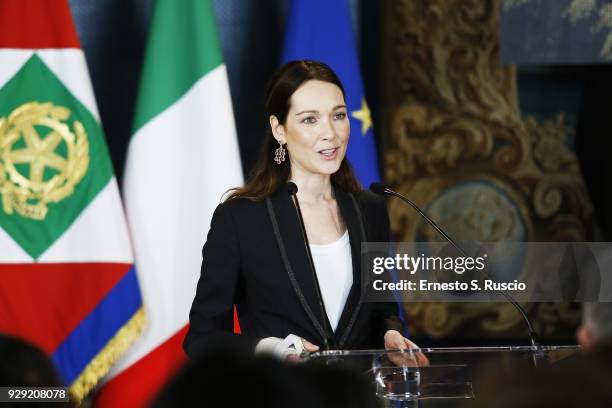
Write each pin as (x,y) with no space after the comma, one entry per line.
(334,268)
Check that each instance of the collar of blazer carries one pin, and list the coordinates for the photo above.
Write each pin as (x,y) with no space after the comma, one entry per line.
(285,222)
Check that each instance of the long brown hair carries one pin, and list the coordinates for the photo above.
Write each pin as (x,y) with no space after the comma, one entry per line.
(268,176)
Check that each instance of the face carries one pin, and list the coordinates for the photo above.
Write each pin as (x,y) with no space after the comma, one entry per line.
(316,130)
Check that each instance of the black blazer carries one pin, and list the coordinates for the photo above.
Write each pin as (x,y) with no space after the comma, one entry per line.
(276,295)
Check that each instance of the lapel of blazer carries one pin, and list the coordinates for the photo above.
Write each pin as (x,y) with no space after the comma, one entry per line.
(298,267)
(297,264)
(346,203)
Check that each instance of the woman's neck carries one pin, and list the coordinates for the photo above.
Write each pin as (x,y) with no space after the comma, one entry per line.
(313,187)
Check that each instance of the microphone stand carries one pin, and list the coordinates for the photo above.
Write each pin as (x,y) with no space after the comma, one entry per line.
(328,341)
(533,337)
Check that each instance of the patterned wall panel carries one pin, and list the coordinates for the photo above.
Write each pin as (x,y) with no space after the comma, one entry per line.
(456,142)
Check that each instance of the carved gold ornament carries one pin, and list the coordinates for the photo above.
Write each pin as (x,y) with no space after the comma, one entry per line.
(36,135)
(457,143)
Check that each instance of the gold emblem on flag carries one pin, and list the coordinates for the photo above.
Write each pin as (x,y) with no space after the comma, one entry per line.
(41,158)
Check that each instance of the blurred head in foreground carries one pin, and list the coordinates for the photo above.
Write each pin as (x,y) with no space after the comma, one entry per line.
(23,364)
(596,328)
(583,380)
(232,378)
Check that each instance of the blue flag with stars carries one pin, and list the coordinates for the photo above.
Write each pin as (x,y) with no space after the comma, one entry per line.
(321,30)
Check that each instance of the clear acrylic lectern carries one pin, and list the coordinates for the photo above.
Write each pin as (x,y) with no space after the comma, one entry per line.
(403,378)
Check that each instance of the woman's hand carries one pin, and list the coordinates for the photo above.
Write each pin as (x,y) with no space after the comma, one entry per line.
(308,346)
(394,340)
(292,348)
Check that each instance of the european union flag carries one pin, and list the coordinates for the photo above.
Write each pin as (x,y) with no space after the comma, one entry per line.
(321,30)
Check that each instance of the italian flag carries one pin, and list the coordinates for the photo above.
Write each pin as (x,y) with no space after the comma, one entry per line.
(182,157)
(67,281)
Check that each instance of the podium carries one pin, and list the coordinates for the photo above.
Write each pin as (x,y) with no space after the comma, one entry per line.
(403,378)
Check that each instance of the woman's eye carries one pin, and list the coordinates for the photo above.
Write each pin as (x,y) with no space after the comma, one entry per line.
(309,120)
(340,115)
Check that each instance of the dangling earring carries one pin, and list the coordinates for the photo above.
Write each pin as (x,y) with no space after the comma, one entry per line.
(279,153)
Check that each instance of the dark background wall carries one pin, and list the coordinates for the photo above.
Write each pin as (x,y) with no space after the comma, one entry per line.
(113,34)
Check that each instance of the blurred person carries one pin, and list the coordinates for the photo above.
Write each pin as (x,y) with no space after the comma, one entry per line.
(583,380)
(255,257)
(339,386)
(231,377)
(24,365)
(595,331)
(580,380)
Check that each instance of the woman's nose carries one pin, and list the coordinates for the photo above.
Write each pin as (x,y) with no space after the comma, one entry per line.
(328,130)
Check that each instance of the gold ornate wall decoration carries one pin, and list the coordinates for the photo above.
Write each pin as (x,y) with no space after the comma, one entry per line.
(456,143)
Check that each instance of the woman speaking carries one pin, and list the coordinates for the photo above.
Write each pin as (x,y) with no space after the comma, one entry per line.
(257,256)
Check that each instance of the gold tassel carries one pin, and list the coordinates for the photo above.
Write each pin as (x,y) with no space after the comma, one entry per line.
(102,362)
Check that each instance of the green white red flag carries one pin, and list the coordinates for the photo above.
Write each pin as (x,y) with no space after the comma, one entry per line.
(182,156)
(67,281)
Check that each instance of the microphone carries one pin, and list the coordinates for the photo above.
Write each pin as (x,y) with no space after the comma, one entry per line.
(328,340)
(292,188)
(380,189)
